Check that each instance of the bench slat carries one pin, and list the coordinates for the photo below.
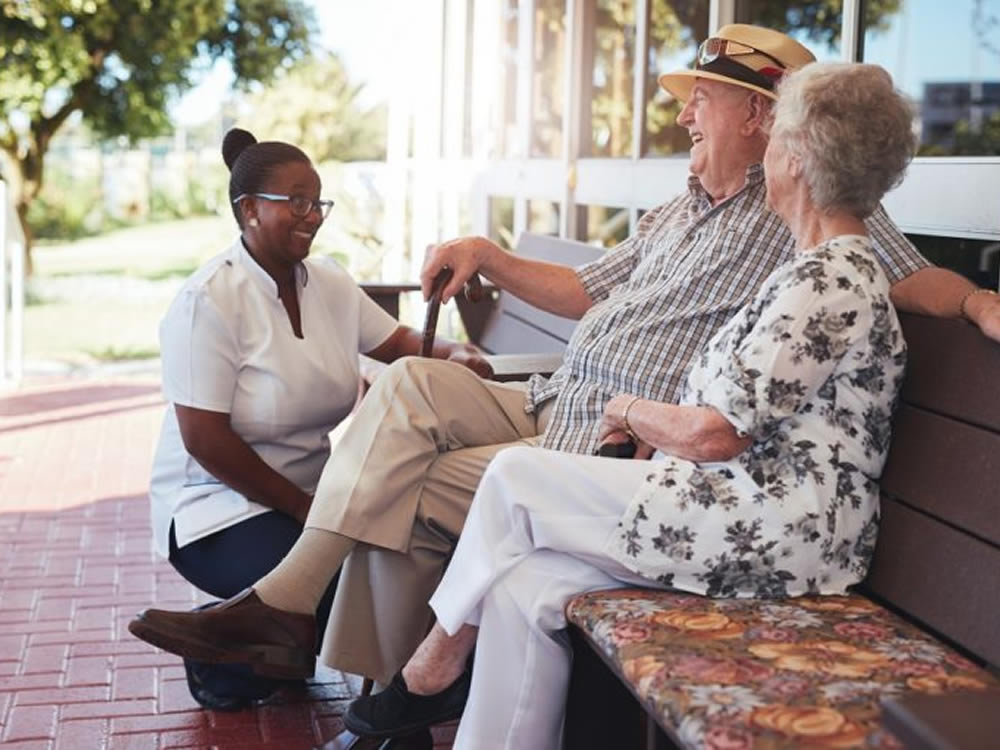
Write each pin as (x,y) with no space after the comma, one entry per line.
(948,469)
(940,576)
(952,369)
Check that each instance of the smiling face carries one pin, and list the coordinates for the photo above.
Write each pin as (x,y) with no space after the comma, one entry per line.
(280,236)
(716,116)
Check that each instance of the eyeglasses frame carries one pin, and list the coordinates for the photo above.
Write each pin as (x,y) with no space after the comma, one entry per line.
(324,206)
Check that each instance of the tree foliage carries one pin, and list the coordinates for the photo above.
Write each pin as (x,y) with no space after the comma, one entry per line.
(316,107)
(118,63)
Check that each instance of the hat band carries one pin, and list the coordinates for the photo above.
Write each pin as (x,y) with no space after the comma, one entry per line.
(724,66)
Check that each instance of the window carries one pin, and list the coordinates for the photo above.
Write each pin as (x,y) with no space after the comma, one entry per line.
(605,225)
(814,23)
(977,260)
(675,31)
(543,217)
(612,52)
(946,57)
(550,76)
(501,221)
(506,113)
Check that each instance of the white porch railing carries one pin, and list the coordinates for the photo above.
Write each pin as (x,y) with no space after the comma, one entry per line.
(11,293)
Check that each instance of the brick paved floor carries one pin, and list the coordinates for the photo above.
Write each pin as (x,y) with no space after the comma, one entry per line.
(76,563)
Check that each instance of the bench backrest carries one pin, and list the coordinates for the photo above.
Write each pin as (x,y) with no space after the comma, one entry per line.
(513,326)
(938,553)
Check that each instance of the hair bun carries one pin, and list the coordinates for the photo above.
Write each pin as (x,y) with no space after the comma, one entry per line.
(235,143)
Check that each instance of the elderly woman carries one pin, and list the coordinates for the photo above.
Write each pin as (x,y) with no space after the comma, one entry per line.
(766,478)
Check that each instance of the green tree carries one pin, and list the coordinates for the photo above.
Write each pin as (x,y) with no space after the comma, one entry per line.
(315,106)
(118,63)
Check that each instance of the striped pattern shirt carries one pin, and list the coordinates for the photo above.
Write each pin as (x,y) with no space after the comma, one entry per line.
(661,294)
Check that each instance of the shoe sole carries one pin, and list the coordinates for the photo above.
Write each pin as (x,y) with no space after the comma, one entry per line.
(264,659)
(364,730)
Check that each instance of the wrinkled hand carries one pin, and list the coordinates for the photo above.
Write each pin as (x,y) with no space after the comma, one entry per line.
(612,428)
(463,256)
(470,357)
(613,419)
(987,315)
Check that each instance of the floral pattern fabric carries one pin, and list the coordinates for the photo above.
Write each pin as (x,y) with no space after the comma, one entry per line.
(738,673)
(810,369)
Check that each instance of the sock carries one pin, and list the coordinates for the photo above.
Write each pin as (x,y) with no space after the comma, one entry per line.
(298,582)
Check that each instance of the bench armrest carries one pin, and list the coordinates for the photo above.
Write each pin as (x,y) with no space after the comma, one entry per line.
(522,366)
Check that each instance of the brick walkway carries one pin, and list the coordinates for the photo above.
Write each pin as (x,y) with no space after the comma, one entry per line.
(76,563)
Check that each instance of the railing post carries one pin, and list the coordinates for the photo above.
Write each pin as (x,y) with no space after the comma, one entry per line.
(12,257)
(3,282)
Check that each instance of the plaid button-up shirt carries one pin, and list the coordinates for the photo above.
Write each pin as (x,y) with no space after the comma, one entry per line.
(660,295)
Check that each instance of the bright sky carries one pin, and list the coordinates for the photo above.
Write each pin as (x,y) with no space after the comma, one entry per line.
(361,32)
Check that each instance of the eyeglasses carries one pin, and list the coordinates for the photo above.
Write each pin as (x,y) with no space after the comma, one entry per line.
(299,205)
(713,48)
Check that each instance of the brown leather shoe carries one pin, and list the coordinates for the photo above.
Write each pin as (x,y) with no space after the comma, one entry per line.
(241,630)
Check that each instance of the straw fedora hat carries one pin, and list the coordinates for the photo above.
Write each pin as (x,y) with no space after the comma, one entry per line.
(749,56)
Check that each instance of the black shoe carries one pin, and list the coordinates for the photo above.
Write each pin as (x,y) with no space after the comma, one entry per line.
(396,711)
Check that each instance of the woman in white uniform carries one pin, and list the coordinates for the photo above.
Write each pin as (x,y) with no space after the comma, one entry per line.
(260,361)
(765,483)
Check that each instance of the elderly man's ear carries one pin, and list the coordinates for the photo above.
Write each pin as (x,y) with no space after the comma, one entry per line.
(758,115)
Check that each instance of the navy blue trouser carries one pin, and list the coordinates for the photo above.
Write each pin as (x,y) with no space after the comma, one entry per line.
(225,563)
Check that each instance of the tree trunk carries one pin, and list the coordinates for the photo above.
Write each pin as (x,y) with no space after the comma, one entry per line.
(24,188)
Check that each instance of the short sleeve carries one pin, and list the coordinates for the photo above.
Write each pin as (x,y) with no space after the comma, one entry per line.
(199,353)
(795,344)
(895,254)
(375,325)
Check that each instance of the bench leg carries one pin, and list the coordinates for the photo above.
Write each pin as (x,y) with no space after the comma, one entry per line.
(601,712)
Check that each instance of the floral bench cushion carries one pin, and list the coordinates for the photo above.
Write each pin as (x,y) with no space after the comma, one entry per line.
(739,673)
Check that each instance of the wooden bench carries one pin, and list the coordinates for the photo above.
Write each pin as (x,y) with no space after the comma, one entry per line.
(519,338)
(659,669)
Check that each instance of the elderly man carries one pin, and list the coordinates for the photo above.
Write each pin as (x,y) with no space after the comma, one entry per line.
(396,491)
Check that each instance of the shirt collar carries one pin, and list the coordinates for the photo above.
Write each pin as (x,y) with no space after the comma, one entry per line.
(262,277)
(754,175)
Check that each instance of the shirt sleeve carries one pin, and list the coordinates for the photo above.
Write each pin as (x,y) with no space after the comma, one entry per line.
(199,353)
(895,254)
(375,325)
(789,351)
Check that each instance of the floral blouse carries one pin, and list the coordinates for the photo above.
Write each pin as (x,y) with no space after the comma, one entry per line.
(810,369)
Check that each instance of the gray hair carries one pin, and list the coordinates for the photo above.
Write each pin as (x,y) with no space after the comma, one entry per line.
(850,129)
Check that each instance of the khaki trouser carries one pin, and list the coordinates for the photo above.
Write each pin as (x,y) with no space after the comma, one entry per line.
(401,481)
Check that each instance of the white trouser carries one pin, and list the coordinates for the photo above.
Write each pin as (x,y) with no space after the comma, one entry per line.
(533,539)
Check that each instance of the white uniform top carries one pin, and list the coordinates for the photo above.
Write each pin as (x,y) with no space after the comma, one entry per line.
(227,345)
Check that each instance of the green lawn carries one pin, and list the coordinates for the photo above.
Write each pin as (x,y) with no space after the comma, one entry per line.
(101,298)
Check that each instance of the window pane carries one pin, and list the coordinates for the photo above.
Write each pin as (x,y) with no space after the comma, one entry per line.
(814,23)
(502,221)
(946,57)
(611,78)
(543,217)
(506,114)
(550,78)
(606,225)
(977,260)
(675,31)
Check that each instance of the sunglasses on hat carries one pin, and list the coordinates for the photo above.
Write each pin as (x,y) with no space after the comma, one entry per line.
(713,48)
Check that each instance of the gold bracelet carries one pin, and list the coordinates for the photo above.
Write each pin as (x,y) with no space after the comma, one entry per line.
(961,305)
(628,427)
